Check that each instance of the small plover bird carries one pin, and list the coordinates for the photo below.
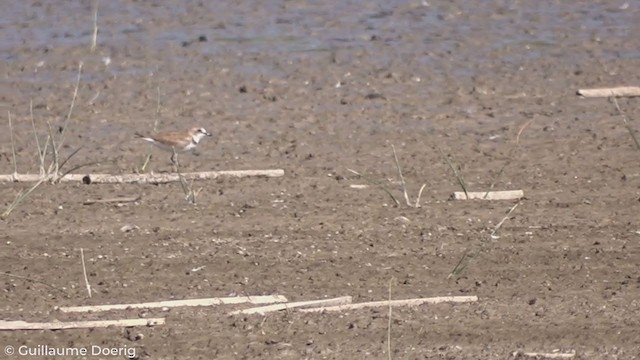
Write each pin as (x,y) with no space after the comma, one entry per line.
(176,141)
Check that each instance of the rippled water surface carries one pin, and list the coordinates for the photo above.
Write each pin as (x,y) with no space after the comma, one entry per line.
(476,31)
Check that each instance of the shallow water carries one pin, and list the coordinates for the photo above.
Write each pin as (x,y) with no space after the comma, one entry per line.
(511,31)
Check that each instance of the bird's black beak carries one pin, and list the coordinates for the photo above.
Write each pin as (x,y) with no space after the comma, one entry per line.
(208,134)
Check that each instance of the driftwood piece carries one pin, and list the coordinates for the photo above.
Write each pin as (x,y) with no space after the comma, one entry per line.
(112,200)
(621,91)
(266,299)
(359,186)
(492,195)
(552,355)
(59,325)
(143,178)
(293,305)
(395,303)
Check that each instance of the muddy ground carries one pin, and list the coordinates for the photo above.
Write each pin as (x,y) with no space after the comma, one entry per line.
(316,89)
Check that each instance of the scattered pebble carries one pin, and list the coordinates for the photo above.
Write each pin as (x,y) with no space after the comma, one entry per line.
(128,228)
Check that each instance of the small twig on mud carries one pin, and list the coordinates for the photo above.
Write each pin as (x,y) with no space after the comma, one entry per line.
(83,324)
(146,162)
(420,195)
(526,125)
(261,326)
(622,91)
(389,324)
(375,183)
(19,198)
(492,195)
(259,299)
(393,303)
(493,233)
(32,280)
(118,200)
(541,355)
(84,272)
(146,178)
(626,122)
(464,260)
(292,306)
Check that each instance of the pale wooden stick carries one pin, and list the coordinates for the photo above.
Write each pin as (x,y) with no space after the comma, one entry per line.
(553,355)
(491,195)
(420,195)
(408,302)
(267,299)
(389,320)
(58,325)
(112,200)
(621,91)
(358,186)
(144,178)
(84,272)
(300,304)
(513,208)
(32,280)
(522,129)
